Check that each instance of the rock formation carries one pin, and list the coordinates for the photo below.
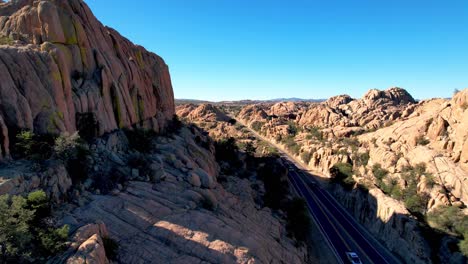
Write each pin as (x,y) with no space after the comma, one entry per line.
(389,129)
(62,70)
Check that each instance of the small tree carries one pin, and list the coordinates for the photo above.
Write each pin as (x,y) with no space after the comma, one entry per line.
(24,235)
(292,129)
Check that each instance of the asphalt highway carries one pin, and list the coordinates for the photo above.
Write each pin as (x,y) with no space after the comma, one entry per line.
(338,226)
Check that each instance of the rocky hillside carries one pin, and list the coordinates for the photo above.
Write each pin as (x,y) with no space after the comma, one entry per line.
(62,70)
(410,155)
(139,186)
(176,211)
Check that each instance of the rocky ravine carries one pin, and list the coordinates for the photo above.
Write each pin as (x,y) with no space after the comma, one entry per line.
(386,128)
(62,70)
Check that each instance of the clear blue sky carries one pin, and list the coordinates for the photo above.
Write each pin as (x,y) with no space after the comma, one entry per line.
(260,49)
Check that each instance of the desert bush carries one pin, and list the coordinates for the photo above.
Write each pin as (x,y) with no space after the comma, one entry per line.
(379,172)
(342,173)
(453,221)
(315,133)
(24,235)
(362,159)
(291,145)
(257,125)
(351,142)
(414,201)
(449,219)
(392,189)
(66,146)
(34,147)
(421,140)
(74,152)
(4,40)
(298,222)
(292,129)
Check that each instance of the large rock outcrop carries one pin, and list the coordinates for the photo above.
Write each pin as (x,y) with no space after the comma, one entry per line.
(184,215)
(62,70)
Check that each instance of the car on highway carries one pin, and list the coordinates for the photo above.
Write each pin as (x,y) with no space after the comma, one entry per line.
(353,258)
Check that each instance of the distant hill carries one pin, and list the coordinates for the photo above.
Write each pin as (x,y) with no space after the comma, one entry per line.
(247,101)
(295,99)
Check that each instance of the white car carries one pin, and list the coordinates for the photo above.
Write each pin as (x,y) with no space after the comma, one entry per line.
(353,258)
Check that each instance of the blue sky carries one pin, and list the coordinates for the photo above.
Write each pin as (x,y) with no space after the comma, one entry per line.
(263,49)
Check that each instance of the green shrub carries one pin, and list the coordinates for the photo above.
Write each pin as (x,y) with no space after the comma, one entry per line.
(34,147)
(314,132)
(257,125)
(6,40)
(291,145)
(66,146)
(292,129)
(111,247)
(379,172)
(463,245)
(449,219)
(362,159)
(342,173)
(416,202)
(352,142)
(24,235)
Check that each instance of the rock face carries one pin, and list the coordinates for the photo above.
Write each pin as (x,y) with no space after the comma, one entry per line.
(185,216)
(65,72)
(87,246)
(372,111)
(387,220)
(201,113)
(436,134)
(17,178)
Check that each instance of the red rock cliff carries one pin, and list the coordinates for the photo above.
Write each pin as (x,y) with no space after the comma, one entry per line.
(61,69)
